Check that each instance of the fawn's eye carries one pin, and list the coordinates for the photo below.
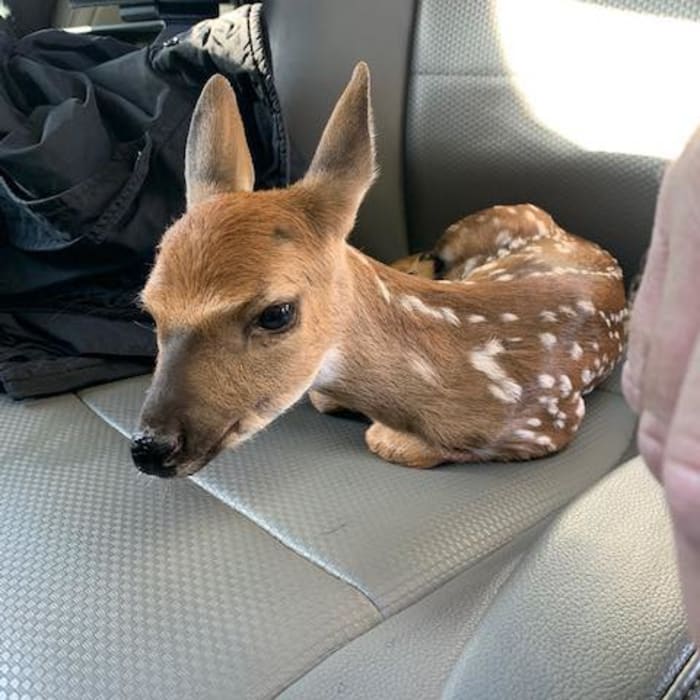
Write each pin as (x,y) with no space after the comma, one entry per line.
(277,317)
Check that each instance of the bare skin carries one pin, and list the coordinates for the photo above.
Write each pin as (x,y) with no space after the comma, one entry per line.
(661,378)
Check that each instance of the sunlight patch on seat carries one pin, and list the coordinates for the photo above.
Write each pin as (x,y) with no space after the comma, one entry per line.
(605,79)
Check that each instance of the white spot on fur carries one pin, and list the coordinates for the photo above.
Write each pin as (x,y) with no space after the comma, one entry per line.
(580,407)
(576,351)
(328,370)
(586,306)
(503,238)
(517,243)
(548,316)
(508,317)
(525,434)
(545,441)
(586,376)
(505,278)
(515,340)
(413,303)
(549,340)
(567,310)
(546,381)
(384,289)
(483,360)
(449,315)
(448,254)
(476,318)
(565,385)
(493,347)
(470,265)
(500,393)
(559,424)
(424,368)
(534,422)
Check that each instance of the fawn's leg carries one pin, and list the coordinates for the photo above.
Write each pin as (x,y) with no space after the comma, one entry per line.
(324,403)
(410,450)
(402,448)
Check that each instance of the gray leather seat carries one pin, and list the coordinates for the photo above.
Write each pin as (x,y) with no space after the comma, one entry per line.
(301,565)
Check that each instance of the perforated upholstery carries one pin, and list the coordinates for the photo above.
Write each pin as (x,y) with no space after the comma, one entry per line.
(591,611)
(113,585)
(421,644)
(472,141)
(393,533)
(603,578)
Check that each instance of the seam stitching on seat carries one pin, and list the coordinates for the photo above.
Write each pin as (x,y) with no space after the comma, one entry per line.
(329,572)
(472,565)
(383,617)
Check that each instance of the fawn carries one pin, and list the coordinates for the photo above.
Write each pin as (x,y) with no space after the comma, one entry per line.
(258,299)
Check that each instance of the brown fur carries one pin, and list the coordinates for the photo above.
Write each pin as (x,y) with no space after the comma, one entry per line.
(393,346)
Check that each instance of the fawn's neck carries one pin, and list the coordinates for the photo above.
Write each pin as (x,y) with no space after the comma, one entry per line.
(386,332)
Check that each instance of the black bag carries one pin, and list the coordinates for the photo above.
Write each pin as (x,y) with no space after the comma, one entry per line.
(92,161)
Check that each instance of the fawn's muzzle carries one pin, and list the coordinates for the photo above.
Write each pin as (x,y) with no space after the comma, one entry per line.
(152,454)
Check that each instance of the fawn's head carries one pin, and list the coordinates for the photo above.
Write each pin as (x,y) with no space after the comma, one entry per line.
(246,285)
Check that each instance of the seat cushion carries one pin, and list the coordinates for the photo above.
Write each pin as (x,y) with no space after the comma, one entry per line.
(592,609)
(596,604)
(114,585)
(411,655)
(393,533)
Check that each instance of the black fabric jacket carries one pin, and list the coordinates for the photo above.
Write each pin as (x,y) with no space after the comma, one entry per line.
(92,139)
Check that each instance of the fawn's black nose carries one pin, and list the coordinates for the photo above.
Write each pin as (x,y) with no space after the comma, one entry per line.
(150,454)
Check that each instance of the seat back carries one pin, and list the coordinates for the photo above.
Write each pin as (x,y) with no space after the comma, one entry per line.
(505,108)
(314,45)
(468,114)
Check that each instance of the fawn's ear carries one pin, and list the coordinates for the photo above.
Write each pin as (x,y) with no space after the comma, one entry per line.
(217,158)
(344,163)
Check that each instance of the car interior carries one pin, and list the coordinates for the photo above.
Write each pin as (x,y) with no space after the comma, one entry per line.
(300,565)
